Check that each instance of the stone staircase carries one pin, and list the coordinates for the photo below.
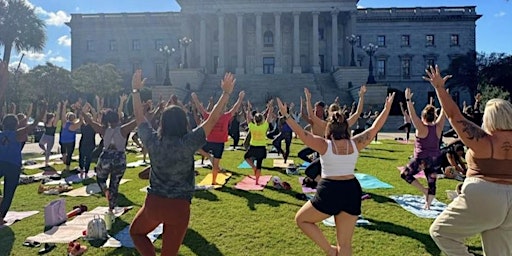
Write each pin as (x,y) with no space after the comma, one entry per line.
(329,90)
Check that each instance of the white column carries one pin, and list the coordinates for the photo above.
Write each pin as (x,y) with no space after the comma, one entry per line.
(202,44)
(296,43)
(220,68)
(334,57)
(240,43)
(352,30)
(316,58)
(278,69)
(258,60)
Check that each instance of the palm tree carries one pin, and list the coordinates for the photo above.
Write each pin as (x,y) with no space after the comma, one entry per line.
(19,28)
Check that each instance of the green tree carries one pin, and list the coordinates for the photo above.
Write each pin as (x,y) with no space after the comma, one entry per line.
(496,69)
(94,79)
(492,92)
(465,73)
(21,29)
(48,82)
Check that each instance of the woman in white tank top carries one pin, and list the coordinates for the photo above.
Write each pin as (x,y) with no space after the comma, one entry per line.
(338,192)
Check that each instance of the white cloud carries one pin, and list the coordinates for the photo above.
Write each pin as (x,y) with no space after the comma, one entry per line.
(24,68)
(51,18)
(360,7)
(36,56)
(64,40)
(57,59)
(500,14)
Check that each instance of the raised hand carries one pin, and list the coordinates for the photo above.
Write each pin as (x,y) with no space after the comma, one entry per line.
(362,90)
(389,100)
(137,81)
(435,78)
(282,107)
(307,94)
(123,97)
(228,83)
(241,95)
(408,94)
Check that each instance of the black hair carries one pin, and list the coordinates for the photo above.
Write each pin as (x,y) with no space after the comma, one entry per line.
(173,122)
(10,122)
(110,117)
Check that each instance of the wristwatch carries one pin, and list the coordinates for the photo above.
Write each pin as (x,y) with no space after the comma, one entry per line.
(407,99)
(286,116)
(135,90)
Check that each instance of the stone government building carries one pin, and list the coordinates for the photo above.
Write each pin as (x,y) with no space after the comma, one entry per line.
(278,47)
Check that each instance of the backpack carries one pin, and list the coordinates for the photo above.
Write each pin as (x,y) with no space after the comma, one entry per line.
(97,229)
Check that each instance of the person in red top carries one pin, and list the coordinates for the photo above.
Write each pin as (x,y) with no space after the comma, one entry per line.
(219,134)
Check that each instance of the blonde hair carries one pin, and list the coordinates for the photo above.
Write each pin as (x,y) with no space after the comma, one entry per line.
(497,116)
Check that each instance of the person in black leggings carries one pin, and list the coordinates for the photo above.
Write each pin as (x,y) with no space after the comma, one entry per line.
(86,147)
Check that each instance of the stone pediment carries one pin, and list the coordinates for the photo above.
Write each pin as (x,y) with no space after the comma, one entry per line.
(251,6)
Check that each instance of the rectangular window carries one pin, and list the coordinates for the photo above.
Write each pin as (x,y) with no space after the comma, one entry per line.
(159,44)
(381,41)
(406,40)
(429,40)
(135,45)
(454,40)
(159,71)
(406,68)
(321,34)
(90,45)
(112,45)
(358,41)
(381,68)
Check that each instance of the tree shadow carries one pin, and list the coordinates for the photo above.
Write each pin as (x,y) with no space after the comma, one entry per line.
(254,198)
(199,245)
(123,201)
(7,239)
(206,195)
(381,199)
(399,230)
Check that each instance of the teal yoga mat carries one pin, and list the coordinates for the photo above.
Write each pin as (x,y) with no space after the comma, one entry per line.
(244,165)
(370,182)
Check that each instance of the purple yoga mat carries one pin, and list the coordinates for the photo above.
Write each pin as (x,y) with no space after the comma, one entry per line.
(306,190)
(419,175)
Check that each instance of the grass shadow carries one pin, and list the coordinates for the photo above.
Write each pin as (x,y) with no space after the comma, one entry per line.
(388,150)
(7,239)
(206,195)
(399,230)
(123,201)
(254,198)
(380,199)
(199,245)
(379,157)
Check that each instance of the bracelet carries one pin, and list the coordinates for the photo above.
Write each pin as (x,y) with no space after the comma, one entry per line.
(407,99)
(135,90)
(286,116)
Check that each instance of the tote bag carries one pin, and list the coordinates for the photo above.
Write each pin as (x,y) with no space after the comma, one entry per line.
(55,213)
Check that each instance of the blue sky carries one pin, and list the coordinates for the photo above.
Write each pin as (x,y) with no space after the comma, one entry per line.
(494,29)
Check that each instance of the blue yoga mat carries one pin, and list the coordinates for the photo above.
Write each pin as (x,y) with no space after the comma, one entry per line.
(244,165)
(304,165)
(360,221)
(126,241)
(371,182)
(414,204)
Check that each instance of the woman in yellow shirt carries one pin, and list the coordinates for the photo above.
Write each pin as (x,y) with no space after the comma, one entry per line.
(258,128)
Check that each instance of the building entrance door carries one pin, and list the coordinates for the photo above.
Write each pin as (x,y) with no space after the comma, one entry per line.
(268,65)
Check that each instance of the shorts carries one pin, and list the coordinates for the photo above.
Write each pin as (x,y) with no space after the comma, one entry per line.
(257,153)
(216,148)
(335,196)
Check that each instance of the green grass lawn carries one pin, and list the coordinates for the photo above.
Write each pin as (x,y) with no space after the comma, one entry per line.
(233,222)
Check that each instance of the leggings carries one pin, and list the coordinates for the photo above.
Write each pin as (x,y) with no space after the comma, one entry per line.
(235,134)
(287,137)
(113,164)
(11,174)
(84,162)
(407,128)
(305,153)
(46,144)
(429,165)
(173,213)
(67,149)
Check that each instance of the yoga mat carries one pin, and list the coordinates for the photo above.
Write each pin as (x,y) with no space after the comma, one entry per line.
(274,156)
(198,187)
(73,229)
(90,189)
(222,178)
(403,142)
(137,164)
(370,182)
(206,162)
(375,142)
(279,163)
(13,217)
(304,165)
(306,190)
(245,165)
(249,183)
(414,204)
(42,158)
(123,238)
(360,221)
(76,179)
(419,175)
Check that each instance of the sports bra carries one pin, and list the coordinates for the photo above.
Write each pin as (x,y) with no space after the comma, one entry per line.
(488,167)
(338,165)
(114,140)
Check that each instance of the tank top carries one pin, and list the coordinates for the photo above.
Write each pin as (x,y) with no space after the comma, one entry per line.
(66,135)
(258,134)
(114,140)
(10,148)
(50,130)
(488,167)
(338,165)
(428,146)
(88,136)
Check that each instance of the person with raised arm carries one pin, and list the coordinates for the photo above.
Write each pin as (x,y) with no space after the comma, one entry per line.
(407,122)
(484,205)
(427,154)
(338,192)
(172,181)
(112,160)
(48,139)
(67,136)
(10,156)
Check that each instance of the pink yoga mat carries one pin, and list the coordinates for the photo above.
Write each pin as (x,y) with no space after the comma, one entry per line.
(305,189)
(420,175)
(249,183)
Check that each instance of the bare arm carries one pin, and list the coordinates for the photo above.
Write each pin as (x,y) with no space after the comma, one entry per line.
(440,123)
(416,121)
(360,105)
(227,85)
(198,104)
(97,127)
(122,100)
(127,128)
(63,111)
(363,139)
(238,103)
(138,84)
(22,132)
(309,108)
(470,134)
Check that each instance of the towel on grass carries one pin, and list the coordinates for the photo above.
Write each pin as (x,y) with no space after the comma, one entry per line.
(414,204)
(90,189)
(13,216)
(123,238)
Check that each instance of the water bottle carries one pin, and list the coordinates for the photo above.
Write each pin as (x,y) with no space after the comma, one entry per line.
(108,220)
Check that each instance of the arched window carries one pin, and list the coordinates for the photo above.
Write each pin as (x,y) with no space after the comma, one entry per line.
(268,39)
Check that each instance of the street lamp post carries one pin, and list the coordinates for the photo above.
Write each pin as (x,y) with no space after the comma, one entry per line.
(370,50)
(167,52)
(185,42)
(352,39)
